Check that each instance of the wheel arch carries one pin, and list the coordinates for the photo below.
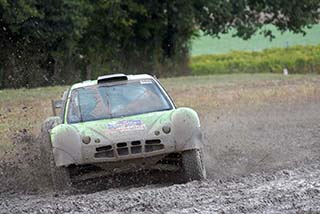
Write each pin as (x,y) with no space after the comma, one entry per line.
(187,130)
(66,144)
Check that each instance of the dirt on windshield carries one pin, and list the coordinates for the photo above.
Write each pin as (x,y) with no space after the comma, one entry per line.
(262,158)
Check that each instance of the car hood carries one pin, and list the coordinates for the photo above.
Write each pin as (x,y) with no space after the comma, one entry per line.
(125,128)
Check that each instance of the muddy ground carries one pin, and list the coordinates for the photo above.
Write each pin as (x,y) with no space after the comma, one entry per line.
(260,159)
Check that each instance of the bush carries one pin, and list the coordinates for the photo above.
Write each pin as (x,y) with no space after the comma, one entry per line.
(297,59)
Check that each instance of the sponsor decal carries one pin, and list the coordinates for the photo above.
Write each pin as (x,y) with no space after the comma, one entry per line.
(126,125)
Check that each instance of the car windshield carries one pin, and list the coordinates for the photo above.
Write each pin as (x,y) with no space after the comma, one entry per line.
(117,100)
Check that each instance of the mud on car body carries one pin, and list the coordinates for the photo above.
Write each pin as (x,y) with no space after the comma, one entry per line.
(121,123)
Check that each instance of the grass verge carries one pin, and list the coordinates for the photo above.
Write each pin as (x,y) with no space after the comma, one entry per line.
(298,59)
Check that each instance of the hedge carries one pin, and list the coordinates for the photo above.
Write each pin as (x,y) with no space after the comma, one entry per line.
(297,59)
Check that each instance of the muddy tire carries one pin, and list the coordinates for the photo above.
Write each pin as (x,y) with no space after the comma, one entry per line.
(193,165)
(60,176)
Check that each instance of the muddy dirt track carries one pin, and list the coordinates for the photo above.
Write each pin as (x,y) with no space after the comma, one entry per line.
(261,159)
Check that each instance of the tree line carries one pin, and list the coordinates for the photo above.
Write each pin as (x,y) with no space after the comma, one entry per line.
(62,41)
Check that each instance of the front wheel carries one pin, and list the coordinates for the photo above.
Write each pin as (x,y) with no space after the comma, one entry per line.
(193,165)
(60,176)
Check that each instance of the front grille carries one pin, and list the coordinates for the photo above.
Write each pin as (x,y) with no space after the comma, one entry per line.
(128,148)
(108,154)
(136,149)
(152,148)
(104,148)
(136,143)
(157,141)
(104,152)
(123,151)
(119,145)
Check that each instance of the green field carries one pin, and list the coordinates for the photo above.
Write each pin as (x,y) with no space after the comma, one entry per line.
(227,43)
(297,59)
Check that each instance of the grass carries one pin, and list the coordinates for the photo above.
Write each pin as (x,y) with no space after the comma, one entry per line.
(297,59)
(227,43)
(24,110)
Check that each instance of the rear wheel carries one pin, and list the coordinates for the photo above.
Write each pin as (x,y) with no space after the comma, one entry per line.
(193,165)
(60,176)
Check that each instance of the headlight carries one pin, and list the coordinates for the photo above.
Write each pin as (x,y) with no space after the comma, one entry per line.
(166,129)
(86,139)
(156,133)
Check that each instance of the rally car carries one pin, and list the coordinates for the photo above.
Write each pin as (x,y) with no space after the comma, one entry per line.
(120,123)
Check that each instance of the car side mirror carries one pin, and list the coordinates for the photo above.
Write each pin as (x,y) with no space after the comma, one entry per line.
(56,105)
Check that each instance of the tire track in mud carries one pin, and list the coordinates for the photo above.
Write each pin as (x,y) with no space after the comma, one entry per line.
(260,159)
(282,191)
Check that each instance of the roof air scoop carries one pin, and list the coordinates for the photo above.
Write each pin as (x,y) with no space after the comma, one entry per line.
(112,78)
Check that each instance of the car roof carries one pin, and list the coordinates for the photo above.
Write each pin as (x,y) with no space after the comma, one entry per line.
(95,82)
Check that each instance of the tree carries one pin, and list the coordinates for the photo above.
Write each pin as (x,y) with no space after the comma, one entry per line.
(122,34)
(247,16)
(61,41)
(158,32)
(38,38)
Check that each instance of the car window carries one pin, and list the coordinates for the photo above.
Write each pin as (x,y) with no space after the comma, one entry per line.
(119,100)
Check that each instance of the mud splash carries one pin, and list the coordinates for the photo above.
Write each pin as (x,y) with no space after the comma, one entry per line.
(21,169)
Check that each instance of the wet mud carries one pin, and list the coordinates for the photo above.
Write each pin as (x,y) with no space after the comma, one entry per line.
(263,158)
